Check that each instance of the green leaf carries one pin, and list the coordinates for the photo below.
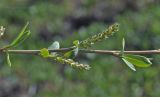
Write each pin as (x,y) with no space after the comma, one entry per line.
(130,65)
(54,45)
(71,54)
(137,60)
(123,46)
(44,53)
(76,43)
(8,59)
(21,36)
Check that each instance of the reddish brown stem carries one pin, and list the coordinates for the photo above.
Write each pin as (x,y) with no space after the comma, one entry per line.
(110,52)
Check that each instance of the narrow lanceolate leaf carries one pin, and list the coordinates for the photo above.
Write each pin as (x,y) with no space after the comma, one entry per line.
(71,54)
(137,60)
(8,59)
(21,36)
(130,65)
(123,46)
(44,53)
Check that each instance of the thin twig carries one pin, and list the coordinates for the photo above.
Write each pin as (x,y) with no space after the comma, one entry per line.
(110,52)
(35,52)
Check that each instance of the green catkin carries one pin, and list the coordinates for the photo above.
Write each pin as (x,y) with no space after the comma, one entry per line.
(71,62)
(99,37)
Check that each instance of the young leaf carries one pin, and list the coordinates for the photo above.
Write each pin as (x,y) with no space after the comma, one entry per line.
(71,54)
(123,46)
(8,59)
(137,60)
(130,65)
(44,53)
(21,36)
(54,45)
(76,43)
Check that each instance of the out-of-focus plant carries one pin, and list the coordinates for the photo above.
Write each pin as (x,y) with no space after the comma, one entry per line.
(67,55)
(2,29)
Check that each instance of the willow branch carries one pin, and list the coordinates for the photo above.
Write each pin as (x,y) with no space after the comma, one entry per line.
(109,52)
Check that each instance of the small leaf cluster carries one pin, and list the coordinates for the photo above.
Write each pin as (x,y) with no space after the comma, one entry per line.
(132,60)
(22,36)
(66,58)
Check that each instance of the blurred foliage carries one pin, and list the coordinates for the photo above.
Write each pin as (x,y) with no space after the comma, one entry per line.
(67,20)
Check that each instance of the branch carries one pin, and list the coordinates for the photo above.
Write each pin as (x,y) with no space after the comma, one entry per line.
(109,52)
(71,52)
(34,52)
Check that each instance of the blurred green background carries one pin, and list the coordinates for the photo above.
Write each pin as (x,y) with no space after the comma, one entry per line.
(68,20)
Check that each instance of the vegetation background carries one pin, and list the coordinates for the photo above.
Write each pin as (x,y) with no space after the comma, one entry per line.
(68,20)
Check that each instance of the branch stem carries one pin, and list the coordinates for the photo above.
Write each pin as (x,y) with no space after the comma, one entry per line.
(109,52)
